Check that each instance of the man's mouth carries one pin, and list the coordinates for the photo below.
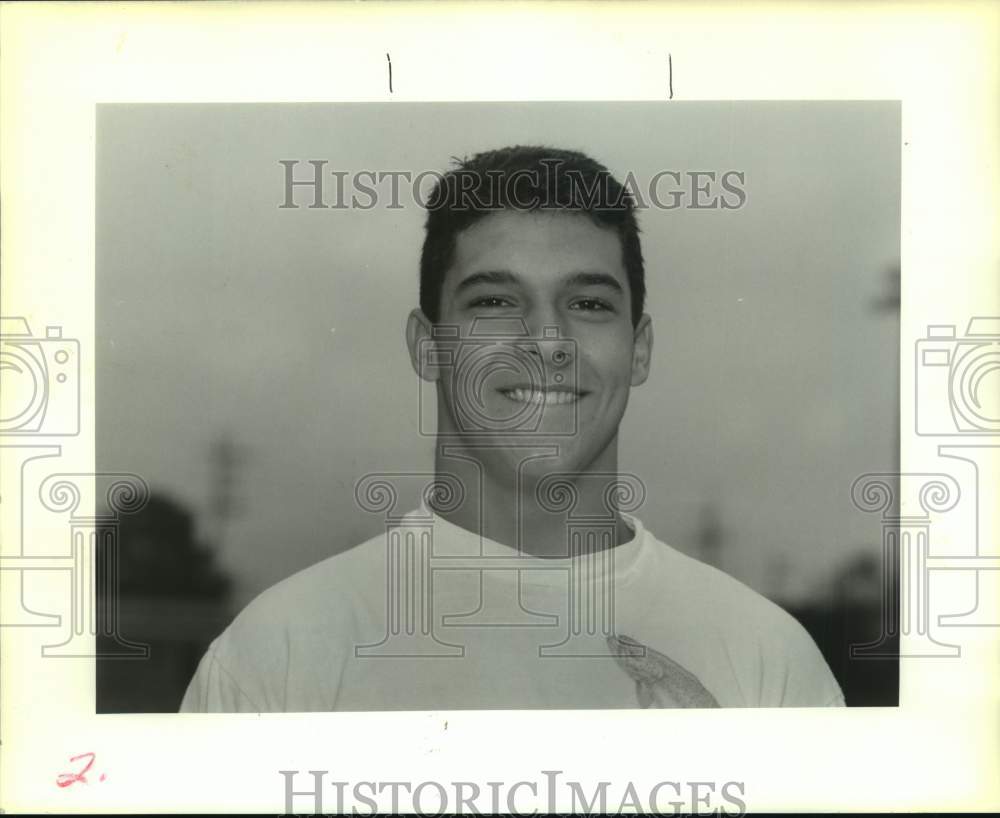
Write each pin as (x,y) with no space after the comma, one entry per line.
(549,395)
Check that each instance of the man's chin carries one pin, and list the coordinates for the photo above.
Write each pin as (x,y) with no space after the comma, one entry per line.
(537,456)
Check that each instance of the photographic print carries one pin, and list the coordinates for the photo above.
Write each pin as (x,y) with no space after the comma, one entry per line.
(498,406)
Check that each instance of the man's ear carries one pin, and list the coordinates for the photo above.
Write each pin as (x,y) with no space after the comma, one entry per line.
(642,350)
(419,340)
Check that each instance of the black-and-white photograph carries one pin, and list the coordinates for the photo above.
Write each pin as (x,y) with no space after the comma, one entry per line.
(498,406)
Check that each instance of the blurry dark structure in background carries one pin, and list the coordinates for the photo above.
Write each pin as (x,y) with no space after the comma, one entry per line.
(172,597)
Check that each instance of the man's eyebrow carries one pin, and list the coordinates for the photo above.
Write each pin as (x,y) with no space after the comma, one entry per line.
(577,279)
(595,280)
(486,277)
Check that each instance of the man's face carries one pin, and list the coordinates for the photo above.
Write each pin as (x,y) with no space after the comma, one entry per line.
(546,351)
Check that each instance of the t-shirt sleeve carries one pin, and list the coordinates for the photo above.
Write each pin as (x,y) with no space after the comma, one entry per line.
(808,680)
(213,689)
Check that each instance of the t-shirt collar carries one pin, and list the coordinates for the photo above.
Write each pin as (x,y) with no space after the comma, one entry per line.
(454,540)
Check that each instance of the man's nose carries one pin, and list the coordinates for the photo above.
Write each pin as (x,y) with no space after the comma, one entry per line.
(549,341)
(556,351)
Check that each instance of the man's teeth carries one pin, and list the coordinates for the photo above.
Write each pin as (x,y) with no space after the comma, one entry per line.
(546,396)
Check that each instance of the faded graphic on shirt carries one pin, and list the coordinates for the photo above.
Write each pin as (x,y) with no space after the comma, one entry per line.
(659,681)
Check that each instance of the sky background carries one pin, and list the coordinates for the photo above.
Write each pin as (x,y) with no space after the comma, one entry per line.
(222,316)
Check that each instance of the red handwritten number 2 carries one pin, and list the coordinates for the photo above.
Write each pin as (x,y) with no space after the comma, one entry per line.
(65,779)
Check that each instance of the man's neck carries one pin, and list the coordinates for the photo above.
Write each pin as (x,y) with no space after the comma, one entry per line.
(532,510)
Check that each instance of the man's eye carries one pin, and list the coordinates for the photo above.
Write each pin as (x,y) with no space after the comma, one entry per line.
(591,305)
(491,301)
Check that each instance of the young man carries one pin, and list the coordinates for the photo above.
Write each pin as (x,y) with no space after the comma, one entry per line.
(521,580)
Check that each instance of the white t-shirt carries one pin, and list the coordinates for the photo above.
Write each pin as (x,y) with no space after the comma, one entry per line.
(429,616)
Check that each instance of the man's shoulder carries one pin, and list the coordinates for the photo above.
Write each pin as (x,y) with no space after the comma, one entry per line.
(772,654)
(309,620)
(721,597)
(315,594)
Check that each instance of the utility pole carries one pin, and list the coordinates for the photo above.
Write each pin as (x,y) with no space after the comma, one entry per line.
(226,459)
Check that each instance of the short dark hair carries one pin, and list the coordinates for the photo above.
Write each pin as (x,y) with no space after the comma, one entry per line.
(525,178)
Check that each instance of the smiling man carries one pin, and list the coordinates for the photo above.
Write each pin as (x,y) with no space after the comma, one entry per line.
(555,288)
(522,580)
